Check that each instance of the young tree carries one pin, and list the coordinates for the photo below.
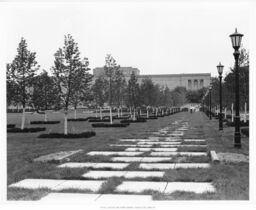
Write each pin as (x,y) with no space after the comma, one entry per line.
(45,94)
(110,70)
(133,93)
(81,87)
(21,71)
(100,92)
(68,71)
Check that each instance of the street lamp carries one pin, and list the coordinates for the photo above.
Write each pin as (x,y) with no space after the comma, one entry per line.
(236,39)
(220,70)
(210,101)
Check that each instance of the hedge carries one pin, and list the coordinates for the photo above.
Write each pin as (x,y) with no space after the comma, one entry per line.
(107,125)
(25,130)
(44,122)
(242,123)
(245,131)
(77,119)
(69,135)
(11,125)
(133,121)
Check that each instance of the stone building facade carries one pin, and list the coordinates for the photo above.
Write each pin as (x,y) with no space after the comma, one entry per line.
(189,81)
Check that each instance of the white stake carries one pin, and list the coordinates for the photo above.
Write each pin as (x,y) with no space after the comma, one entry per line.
(100,114)
(245,112)
(225,111)
(232,114)
(23,119)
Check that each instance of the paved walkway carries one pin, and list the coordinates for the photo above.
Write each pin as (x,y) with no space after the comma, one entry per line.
(138,165)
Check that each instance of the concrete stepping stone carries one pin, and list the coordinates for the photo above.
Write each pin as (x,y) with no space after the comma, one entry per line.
(159,166)
(165,138)
(140,186)
(192,165)
(155,142)
(125,174)
(104,174)
(140,159)
(195,140)
(152,149)
(178,153)
(95,165)
(155,159)
(109,153)
(136,140)
(128,145)
(55,184)
(196,187)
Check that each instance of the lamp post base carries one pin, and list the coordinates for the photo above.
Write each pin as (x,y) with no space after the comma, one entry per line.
(237,140)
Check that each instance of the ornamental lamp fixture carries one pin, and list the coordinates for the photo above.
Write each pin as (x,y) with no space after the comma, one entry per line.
(236,39)
(220,69)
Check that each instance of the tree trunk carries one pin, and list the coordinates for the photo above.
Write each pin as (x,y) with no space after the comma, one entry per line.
(232,111)
(130,111)
(134,115)
(118,112)
(45,116)
(96,113)
(100,114)
(225,113)
(75,113)
(121,112)
(245,112)
(23,119)
(156,111)
(147,114)
(110,115)
(66,123)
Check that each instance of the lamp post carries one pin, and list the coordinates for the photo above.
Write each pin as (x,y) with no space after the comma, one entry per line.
(210,101)
(236,39)
(220,70)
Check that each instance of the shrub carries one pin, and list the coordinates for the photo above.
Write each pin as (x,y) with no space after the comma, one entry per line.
(78,119)
(44,122)
(98,120)
(106,125)
(11,125)
(25,130)
(245,131)
(133,121)
(70,135)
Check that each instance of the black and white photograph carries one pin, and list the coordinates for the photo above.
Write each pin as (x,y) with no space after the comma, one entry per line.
(127,104)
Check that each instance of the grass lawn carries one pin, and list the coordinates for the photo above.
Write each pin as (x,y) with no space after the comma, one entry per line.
(231,180)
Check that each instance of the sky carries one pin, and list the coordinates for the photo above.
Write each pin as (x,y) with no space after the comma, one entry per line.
(155,37)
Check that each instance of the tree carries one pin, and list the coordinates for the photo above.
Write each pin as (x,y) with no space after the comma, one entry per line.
(179,96)
(45,94)
(110,69)
(195,96)
(100,92)
(69,72)
(133,92)
(21,72)
(81,87)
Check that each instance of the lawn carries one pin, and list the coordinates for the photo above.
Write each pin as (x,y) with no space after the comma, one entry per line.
(230,180)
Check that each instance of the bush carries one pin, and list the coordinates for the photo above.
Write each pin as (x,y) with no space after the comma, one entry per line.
(44,122)
(25,130)
(242,123)
(99,120)
(78,119)
(70,135)
(11,125)
(134,121)
(106,125)
(245,131)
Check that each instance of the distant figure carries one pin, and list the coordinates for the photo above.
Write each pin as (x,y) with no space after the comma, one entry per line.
(191,110)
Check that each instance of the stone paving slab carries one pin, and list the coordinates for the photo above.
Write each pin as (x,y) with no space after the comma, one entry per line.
(58,184)
(95,165)
(125,174)
(192,165)
(92,185)
(57,156)
(155,142)
(160,145)
(196,187)
(164,166)
(165,138)
(195,140)
(140,186)
(126,159)
(136,140)
(178,153)
(140,159)
(152,149)
(128,145)
(233,157)
(122,153)
(159,166)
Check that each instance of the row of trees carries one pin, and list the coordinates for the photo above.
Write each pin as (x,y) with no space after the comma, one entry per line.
(228,85)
